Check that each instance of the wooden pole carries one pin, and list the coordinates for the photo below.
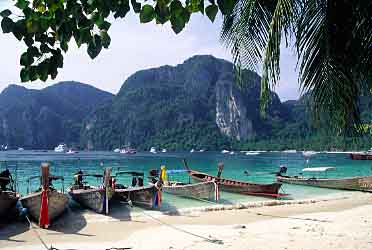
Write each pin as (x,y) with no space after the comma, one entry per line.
(45,175)
(107,186)
(220,168)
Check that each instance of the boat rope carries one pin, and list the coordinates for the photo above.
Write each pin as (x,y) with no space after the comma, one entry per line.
(289,217)
(214,241)
(37,234)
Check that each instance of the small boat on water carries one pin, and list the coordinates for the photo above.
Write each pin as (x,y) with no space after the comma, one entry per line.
(252,153)
(201,191)
(153,150)
(236,186)
(225,151)
(362,156)
(117,150)
(138,194)
(46,203)
(92,197)
(61,148)
(359,183)
(290,151)
(8,194)
(308,153)
(71,152)
(128,151)
(163,150)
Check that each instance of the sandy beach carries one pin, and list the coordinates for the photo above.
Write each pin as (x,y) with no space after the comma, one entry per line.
(342,221)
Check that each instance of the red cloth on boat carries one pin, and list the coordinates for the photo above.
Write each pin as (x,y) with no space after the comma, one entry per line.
(44,214)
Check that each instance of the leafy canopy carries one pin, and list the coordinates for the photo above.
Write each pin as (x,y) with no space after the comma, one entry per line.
(333,41)
(48,26)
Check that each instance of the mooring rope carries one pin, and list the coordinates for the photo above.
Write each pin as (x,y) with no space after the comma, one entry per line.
(37,234)
(214,241)
(289,217)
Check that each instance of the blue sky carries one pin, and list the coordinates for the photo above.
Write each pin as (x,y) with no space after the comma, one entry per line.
(134,47)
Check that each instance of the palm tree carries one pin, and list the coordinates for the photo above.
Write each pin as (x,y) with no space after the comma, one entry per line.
(333,42)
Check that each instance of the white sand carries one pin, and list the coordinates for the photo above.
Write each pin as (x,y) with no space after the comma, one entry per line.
(344,224)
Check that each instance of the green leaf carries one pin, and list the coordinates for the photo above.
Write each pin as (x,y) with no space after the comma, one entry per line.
(25,76)
(194,6)
(211,12)
(105,26)
(33,73)
(29,41)
(106,40)
(136,6)
(19,29)
(64,45)
(5,13)
(147,14)
(162,12)
(95,47)
(226,6)
(43,71)
(22,4)
(178,19)
(26,59)
(7,25)
(44,48)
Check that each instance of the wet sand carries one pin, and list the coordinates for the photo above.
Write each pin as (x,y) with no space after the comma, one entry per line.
(342,221)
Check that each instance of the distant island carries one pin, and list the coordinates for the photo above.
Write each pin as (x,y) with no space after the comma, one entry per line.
(194,105)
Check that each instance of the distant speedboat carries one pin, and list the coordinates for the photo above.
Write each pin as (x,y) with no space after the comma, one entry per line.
(70,152)
(128,151)
(308,153)
(290,151)
(192,150)
(61,148)
(201,150)
(153,150)
(163,150)
(225,151)
(20,149)
(252,153)
(117,150)
(232,153)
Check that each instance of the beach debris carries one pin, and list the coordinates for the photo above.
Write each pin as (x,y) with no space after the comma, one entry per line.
(240,227)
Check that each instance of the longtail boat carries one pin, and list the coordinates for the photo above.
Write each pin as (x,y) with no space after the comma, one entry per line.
(8,194)
(138,194)
(362,156)
(201,191)
(92,197)
(236,186)
(46,203)
(359,183)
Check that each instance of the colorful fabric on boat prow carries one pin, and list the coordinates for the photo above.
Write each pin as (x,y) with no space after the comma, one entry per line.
(157,199)
(44,213)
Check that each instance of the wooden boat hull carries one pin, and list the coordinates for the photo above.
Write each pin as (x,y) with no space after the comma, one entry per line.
(57,203)
(361,183)
(234,186)
(202,190)
(359,156)
(8,200)
(139,196)
(94,199)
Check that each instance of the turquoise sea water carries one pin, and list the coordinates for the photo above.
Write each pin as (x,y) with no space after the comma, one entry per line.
(27,163)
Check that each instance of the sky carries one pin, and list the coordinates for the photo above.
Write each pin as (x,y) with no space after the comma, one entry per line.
(134,47)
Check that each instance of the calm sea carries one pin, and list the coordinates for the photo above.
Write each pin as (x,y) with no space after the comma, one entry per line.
(26,164)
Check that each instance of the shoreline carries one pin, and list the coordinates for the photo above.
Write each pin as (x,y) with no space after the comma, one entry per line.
(94,231)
